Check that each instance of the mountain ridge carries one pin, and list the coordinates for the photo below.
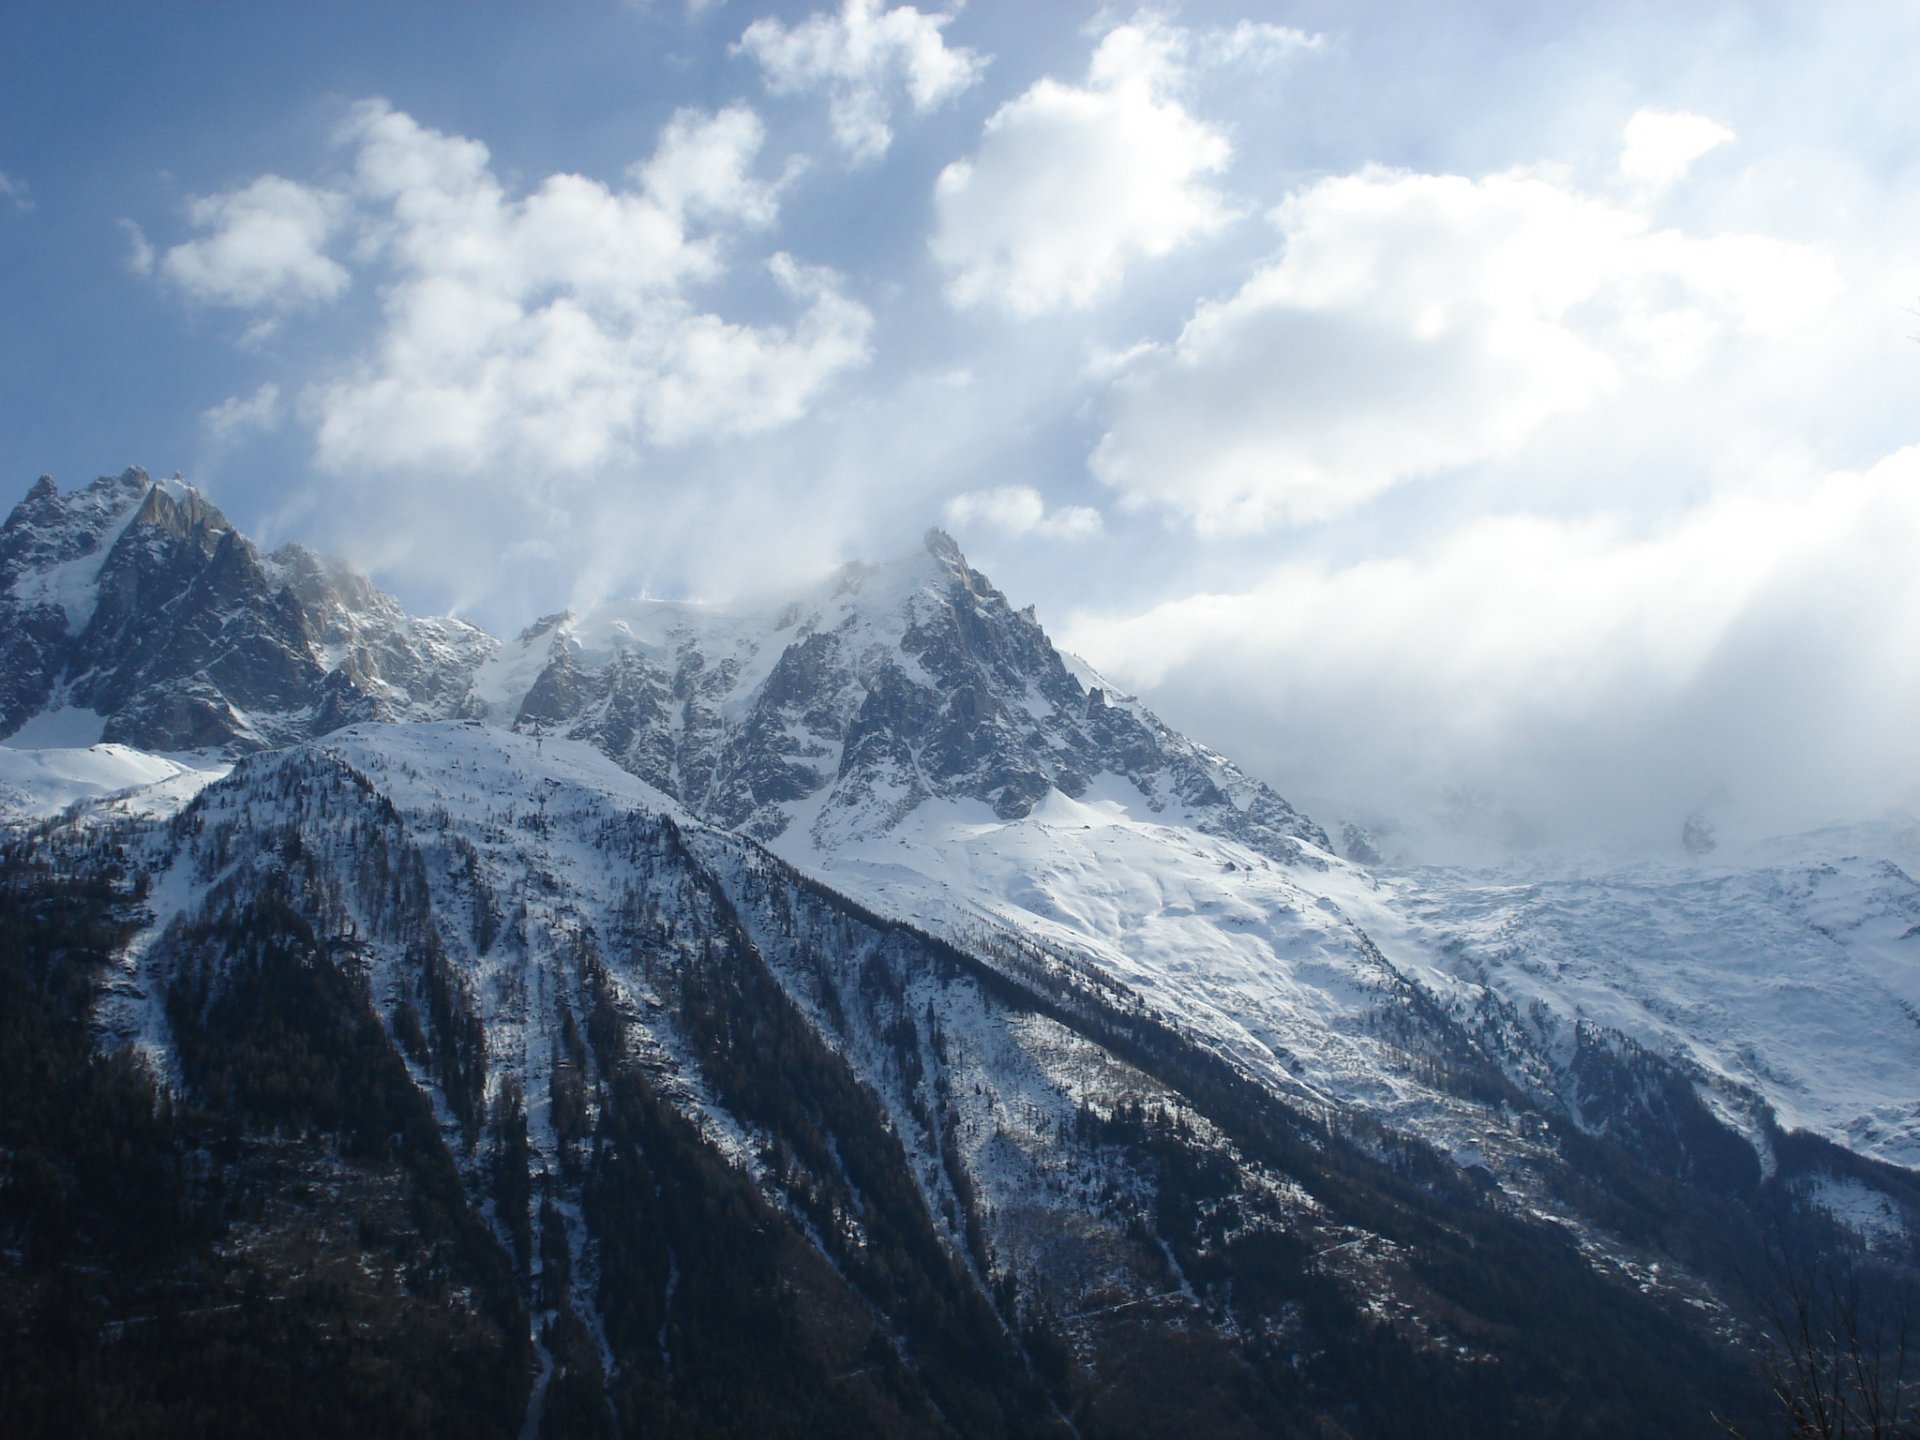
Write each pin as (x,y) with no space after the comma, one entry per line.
(901,730)
(956,988)
(139,602)
(895,683)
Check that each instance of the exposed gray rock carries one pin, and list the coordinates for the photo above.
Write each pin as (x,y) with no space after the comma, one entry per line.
(843,710)
(1359,845)
(1696,835)
(140,602)
(892,685)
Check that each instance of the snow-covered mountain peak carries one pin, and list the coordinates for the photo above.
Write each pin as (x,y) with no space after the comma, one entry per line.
(943,547)
(847,706)
(139,605)
(177,508)
(49,538)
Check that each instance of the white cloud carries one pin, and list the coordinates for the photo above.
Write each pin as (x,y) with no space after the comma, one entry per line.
(1017,510)
(721,378)
(552,334)
(238,414)
(1593,678)
(1417,323)
(1661,146)
(140,253)
(702,168)
(1256,43)
(863,59)
(1073,183)
(265,246)
(531,353)
(15,192)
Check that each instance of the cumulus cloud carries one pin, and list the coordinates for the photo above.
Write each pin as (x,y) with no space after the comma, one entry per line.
(702,169)
(1661,146)
(1073,183)
(553,332)
(1587,678)
(1417,323)
(1017,510)
(15,192)
(264,245)
(541,365)
(732,379)
(866,60)
(238,414)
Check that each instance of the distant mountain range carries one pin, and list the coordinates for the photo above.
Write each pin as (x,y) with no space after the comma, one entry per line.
(851,1016)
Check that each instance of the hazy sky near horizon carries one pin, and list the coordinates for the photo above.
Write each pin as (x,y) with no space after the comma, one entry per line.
(1495,419)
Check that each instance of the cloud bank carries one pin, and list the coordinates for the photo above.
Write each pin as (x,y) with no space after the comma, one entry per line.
(1413,324)
(524,345)
(1074,183)
(551,332)
(1585,678)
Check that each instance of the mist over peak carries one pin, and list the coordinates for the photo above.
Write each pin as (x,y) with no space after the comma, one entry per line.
(1548,448)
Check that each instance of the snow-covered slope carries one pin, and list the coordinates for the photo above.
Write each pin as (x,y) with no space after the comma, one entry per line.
(1264,959)
(1788,985)
(1791,974)
(901,732)
(102,779)
(1158,1096)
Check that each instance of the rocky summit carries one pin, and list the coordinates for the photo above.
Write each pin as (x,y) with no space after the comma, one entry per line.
(136,602)
(847,708)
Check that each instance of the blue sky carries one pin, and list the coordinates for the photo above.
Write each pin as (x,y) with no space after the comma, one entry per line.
(1487,419)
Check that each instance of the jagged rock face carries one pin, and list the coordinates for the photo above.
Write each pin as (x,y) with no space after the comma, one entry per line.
(842,712)
(141,603)
(896,685)
(1359,845)
(188,639)
(45,543)
(382,663)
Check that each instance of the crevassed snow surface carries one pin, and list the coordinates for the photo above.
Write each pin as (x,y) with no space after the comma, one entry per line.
(1794,975)
(1793,970)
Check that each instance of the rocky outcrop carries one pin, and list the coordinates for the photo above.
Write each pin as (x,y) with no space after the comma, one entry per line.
(893,685)
(139,602)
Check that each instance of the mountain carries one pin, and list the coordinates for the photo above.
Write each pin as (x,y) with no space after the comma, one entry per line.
(135,614)
(850,1015)
(843,711)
